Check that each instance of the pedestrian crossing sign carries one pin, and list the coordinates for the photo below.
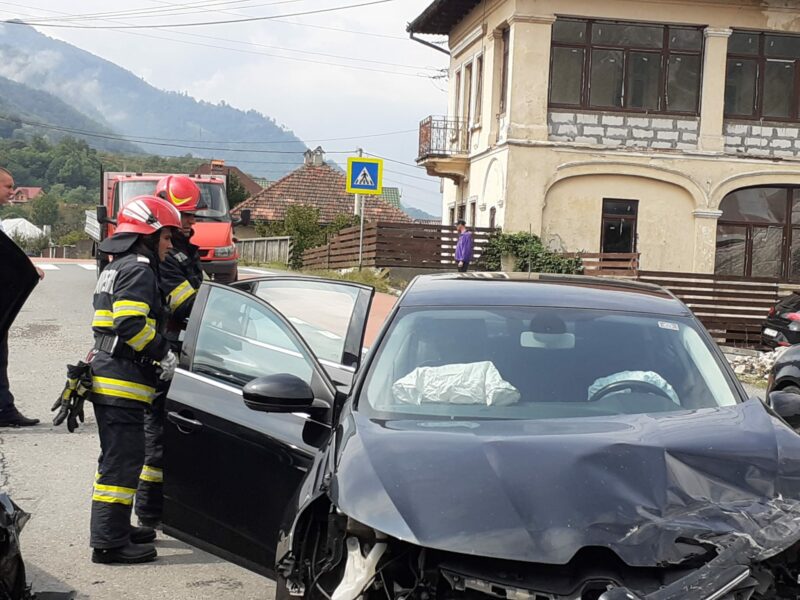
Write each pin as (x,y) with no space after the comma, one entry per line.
(364,176)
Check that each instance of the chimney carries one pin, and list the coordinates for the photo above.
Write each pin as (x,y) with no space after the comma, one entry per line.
(217,166)
(315,158)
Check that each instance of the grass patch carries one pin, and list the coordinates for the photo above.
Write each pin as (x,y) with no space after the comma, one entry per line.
(273,266)
(758,382)
(377,279)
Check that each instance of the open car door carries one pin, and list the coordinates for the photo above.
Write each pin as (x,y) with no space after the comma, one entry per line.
(18,277)
(230,473)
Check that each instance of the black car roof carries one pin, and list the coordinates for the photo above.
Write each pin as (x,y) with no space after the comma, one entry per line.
(546,290)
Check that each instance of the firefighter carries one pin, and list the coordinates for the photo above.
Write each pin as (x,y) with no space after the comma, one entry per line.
(130,357)
(179,279)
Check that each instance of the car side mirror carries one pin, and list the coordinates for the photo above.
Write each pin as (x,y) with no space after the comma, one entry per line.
(787,406)
(102,216)
(244,218)
(282,393)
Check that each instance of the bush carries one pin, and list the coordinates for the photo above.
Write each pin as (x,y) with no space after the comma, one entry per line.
(31,245)
(303,226)
(529,254)
(72,238)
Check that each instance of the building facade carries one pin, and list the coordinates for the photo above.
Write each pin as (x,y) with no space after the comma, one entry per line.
(668,128)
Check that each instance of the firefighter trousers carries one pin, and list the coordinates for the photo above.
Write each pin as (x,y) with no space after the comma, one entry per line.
(150,493)
(121,432)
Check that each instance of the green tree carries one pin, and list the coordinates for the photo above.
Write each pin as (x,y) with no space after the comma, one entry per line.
(80,196)
(302,224)
(44,210)
(235,190)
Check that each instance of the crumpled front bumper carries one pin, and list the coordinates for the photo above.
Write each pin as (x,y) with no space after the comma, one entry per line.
(737,555)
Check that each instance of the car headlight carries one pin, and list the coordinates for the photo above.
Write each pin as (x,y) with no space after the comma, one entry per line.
(225,251)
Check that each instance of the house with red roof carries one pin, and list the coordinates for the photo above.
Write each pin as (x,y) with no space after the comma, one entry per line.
(23,195)
(317,184)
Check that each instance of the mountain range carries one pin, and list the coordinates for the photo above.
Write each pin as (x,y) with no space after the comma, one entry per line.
(49,85)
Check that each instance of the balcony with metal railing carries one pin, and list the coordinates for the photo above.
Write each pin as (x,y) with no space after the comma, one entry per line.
(444,146)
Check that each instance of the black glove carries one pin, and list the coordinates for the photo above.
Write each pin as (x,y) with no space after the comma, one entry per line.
(76,390)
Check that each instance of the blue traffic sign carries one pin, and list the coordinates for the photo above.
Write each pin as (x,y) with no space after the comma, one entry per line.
(364,176)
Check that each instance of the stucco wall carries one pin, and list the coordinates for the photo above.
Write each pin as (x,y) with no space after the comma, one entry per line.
(665,224)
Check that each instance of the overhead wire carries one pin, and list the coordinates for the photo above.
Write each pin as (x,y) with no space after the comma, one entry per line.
(170,11)
(417,74)
(150,142)
(204,23)
(122,138)
(312,26)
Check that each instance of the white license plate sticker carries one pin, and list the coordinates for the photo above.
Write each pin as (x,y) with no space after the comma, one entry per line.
(770,332)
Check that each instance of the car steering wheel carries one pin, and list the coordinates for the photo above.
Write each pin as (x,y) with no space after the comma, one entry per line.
(633,385)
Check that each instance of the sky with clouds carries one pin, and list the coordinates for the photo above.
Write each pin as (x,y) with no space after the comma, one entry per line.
(329,75)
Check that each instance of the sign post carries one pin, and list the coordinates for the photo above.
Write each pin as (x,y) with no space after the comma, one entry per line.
(364,178)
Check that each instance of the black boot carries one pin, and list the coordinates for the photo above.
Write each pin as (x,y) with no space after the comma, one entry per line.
(130,554)
(143,535)
(14,418)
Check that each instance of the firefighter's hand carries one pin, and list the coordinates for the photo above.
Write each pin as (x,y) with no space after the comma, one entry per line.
(40,273)
(168,365)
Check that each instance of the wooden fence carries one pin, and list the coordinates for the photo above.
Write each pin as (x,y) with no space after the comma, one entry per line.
(607,264)
(731,308)
(265,250)
(397,245)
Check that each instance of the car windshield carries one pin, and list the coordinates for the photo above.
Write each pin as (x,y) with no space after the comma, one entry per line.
(540,363)
(215,200)
(212,196)
(128,190)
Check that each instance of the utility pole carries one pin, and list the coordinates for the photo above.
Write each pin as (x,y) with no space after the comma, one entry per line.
(360,212)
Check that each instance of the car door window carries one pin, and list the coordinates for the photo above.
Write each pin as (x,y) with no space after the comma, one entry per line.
(240,339)
(320,311)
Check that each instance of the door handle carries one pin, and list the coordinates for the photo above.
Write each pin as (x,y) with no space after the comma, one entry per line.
(184,424)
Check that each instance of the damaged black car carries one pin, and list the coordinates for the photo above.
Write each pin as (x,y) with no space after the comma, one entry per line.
(546,438)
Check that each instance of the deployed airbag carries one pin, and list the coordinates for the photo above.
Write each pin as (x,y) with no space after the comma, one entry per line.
(471,383)
(650,377)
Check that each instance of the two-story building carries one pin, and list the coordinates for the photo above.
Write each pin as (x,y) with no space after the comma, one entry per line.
(668,127)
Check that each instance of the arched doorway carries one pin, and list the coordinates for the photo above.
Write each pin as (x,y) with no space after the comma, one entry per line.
(758,234)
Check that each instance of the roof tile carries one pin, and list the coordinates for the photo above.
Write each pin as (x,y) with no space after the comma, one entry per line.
(322,187)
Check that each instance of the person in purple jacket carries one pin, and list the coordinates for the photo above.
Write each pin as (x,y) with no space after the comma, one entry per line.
(464,246)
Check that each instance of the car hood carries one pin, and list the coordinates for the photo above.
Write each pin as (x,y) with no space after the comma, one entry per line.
(17,279)
(651,488)
(212,235)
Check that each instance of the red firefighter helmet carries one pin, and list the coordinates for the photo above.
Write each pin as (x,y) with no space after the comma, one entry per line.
(181,191)
(146,215)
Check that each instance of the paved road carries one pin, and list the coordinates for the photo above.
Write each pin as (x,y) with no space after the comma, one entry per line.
(49,472)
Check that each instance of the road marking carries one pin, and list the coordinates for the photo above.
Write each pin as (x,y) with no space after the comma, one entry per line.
(47,267)
(259,271)
(88,267)
(328,334)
